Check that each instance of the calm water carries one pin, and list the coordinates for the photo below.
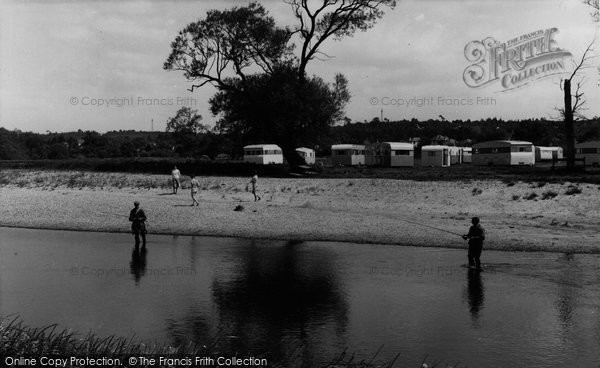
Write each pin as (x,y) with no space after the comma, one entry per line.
(311,299)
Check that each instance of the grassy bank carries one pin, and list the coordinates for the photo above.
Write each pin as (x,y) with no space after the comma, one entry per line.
(150,165)
(19,340)
(163,166)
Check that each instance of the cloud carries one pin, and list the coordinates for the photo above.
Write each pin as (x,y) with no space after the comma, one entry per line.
(54,49)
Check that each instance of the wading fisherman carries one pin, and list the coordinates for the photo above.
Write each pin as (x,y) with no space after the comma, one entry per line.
(175,174)
(138,223)
(475,236)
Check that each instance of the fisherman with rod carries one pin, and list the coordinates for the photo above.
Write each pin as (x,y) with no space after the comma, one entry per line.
(475,236)
(138,224)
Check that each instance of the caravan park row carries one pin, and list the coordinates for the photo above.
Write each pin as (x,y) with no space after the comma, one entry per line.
(402,154)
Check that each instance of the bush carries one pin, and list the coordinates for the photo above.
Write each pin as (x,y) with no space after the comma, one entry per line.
(531,196)
(476,191)
(549,194)
(516,197)
(572,190)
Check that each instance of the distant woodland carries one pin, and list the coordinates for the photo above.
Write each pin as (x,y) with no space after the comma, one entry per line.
(17,145)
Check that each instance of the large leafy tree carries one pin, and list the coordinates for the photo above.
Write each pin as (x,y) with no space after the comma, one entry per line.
(282,107)
(186,121)
(263,90)
(188,132)
(226,46)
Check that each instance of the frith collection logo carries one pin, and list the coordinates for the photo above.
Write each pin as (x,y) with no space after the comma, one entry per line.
(514,63)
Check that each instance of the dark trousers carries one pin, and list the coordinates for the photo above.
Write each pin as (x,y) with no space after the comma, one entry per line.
(474,254)
(137,234)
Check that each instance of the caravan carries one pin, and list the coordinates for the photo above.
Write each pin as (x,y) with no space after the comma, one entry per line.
(589,151)
(263,154)
(348,154)
(548,153)
(307,154)
(435,155)
(390,154)
(503,153)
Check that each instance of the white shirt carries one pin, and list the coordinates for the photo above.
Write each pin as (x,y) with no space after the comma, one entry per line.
(175,173)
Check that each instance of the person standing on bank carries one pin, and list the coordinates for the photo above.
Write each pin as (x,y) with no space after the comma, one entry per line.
(194,185)
(254,182)
(476,236)
(175,174)
(138,223)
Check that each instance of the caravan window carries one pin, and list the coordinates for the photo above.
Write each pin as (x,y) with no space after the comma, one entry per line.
(431,153)
(401,152)
(587,150)
(493,150)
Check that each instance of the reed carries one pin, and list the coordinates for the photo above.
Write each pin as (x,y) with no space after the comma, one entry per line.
(19,340)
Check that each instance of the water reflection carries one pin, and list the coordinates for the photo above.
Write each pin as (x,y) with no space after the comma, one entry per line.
(311,299)
(285,298)
(475,291)
(138,263)
(193,327)
(569,279)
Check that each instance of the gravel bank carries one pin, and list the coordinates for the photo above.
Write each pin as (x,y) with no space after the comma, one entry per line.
(350,210)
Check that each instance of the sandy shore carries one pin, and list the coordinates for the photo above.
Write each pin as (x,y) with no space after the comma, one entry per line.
(349,210)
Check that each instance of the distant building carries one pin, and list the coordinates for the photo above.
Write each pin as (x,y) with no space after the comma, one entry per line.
(435,155)
(548,153)
(348,154)
(307,154)
(503,153)
(416,141)
(590,151)
(440,140)
(263,154)
(390,154)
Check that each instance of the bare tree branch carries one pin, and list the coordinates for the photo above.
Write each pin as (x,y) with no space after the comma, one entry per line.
(332,19)
(227,43)
(594,4)
(583,59)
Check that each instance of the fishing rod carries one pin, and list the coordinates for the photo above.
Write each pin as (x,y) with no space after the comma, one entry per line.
(111,213)
(431,227)
(418,223)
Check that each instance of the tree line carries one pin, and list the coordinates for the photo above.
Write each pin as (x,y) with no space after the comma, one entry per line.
(17,145)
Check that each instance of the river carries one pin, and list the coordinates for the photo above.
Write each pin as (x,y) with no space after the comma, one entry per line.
(306,302)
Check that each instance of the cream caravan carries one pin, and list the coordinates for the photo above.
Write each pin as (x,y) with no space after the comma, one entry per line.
(503,153)
(263,154)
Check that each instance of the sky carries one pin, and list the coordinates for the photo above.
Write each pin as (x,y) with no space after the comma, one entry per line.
(98,65)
